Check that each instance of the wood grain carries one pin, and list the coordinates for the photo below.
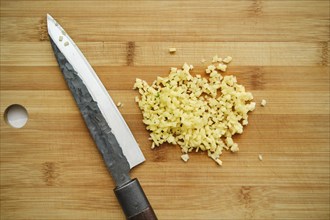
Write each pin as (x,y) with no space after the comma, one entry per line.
(51,169)
(192,21)
(116,53)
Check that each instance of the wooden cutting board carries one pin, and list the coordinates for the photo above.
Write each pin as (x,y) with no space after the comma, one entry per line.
(51,169)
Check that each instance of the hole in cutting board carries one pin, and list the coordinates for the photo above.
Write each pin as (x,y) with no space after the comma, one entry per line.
(16,116)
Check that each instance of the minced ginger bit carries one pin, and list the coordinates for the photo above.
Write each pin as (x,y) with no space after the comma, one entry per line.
(222,67)
(219,162)
(263,102)
(228,59)
(215,59)
(66,43)
(210,69)
(260,157)
(60,38)
(196,113)
(185,157)
(172,50)
(119,104)
(234,147)
(245,122)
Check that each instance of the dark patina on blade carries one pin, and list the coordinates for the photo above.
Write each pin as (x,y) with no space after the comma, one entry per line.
(105,140)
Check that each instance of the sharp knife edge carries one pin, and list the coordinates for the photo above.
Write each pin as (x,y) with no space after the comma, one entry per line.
(95,104)
(108,108)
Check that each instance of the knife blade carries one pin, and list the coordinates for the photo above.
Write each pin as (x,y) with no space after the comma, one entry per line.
(107,127)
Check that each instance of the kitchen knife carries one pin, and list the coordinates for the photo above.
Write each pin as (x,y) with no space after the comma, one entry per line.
(111,134)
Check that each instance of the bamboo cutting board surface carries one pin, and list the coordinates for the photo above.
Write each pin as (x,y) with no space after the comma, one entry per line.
(51,169)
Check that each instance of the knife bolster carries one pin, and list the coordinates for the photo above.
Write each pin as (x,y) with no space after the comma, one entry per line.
(134,201)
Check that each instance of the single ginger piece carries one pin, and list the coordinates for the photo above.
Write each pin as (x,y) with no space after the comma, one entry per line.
(194,112)
(172,50)
(185,157)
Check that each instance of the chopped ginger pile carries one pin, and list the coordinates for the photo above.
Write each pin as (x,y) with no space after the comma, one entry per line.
(194,112)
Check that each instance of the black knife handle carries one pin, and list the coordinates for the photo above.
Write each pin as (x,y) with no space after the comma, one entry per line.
(134,202)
